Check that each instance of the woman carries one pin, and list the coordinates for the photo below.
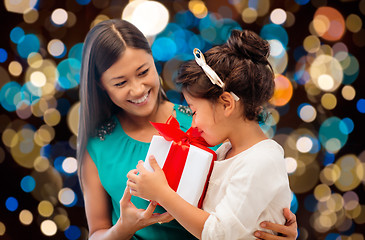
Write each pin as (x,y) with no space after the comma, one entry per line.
(120,93)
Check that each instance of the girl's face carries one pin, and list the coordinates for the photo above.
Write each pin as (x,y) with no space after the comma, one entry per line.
(132,82)
(207,118)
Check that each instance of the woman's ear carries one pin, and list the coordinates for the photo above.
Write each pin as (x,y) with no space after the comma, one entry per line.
(228,103)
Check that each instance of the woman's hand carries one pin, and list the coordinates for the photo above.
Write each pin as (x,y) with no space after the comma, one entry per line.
(132,219)
(288,231)
(148,185)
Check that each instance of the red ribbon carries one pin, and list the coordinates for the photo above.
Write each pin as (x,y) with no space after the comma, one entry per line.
(176,158)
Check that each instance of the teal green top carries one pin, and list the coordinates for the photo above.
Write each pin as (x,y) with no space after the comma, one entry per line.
(114,157)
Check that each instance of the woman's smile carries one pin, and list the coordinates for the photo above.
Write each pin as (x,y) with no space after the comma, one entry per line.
(141,101)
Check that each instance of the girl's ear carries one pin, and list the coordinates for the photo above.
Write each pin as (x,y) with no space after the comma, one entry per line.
(228,103)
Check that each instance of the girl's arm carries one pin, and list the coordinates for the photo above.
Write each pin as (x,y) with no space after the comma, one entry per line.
(98,209)
(154,186)
(289,230)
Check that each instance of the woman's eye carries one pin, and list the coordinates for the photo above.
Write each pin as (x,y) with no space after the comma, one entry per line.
(144,72)
(119,84)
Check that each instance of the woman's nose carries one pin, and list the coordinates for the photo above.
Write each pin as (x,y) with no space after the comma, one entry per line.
(137,88)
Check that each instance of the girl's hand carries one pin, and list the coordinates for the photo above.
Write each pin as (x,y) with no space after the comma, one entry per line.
(148,185)
(132,219)
(288,231)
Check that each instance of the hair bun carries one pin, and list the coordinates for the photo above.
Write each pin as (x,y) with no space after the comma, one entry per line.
(247,44)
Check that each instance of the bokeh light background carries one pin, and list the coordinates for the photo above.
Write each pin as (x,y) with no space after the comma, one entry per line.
(317,113)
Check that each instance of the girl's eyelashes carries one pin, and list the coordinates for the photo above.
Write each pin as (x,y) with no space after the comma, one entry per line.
(193,113)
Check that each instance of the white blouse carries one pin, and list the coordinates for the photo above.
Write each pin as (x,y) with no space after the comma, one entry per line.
(245,190)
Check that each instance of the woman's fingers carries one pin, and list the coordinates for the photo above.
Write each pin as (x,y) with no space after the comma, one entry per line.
(149,211)
(267,236)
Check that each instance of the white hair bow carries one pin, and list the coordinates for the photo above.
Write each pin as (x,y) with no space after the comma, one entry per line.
(211,74)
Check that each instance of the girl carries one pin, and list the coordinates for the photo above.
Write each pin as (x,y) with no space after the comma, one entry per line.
(249,182)
(120,93)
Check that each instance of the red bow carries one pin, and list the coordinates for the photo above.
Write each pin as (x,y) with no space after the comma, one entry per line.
(181,141)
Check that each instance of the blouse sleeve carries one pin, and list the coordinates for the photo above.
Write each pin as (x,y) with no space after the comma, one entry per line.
(253,185)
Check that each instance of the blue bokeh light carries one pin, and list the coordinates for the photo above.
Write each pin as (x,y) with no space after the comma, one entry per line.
(11,204)
(27,183)
(273,31)
(76,51)
(329,158)
(83,2)
(360,105)
(16,35)
(310,203)
(73,232)
(3,55)
(302,2)
(28,44)
(346,126)
(9,96)
(69,73)
(163,49)
(294,205)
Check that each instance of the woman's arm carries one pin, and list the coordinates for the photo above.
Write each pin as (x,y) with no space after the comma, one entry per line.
(154,186)
(98,209)
(289,230)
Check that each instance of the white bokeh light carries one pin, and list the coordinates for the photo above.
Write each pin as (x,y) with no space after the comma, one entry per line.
(278,16)
(304,144)
(38,79)
(150,17)
(69,165)
(59,16)
(291,165)
(66,196)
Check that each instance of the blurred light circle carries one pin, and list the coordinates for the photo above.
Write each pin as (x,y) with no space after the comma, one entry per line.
(330,135)
(304,144)
(198,8)
(150,17)
(26,217)
(73,232)
(249,15)
(326,73)
(62,221)
(56,48)
(27,183)
(41,164)
(273,31)
(353,23)
(3,55)
(11,203)
(16,34)
(52,117)
(346,126)
(283,91)
(278,16)
(360,105)
(15,68)
(76,51)
(307,112)
(35,60)
(19,6)
(48,227)
(73,118)
(83,2)
(2,229)
(329,101)
(28,44)
(348,179)
(67,197)
(329,23)
(8,94)
(302,2)
(291,165)
(69,165)
(276,48)
(322,192)
(330,174)
(31,15)
(59,16)
(45,208)
(311,44)
(164,49)
(348,92)
(351,200)
(69,73)
(38,79)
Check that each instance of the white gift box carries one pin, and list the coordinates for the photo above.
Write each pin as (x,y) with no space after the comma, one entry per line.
(196,170)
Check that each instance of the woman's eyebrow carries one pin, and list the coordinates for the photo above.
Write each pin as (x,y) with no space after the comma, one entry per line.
(120,77)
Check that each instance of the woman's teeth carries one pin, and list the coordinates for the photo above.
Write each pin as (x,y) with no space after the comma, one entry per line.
(141,100)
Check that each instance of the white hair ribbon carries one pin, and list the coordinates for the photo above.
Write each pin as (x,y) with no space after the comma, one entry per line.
(211,74)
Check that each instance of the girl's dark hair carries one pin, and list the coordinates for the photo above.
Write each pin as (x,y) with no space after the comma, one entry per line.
(242,65)
(104,45)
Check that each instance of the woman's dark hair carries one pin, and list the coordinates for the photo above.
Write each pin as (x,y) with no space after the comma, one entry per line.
(242,64)
(104,45)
